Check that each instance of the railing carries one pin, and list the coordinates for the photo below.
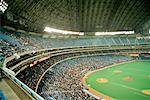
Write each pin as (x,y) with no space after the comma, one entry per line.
(63,48)
(86,91)
(23,86)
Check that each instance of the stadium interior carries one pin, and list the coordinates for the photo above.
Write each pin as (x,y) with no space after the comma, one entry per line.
(49,49)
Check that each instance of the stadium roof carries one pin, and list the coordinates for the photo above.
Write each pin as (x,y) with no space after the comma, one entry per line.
(79,15)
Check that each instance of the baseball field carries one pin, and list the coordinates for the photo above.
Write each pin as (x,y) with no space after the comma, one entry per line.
(126,81)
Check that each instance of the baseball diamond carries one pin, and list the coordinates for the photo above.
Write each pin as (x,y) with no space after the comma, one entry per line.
(74,49)
(123,81)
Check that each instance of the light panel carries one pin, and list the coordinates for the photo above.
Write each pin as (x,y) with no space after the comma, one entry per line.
(49,29)
(3,6)
(114,33)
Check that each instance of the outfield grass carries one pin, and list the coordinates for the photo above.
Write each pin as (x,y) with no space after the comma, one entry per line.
(126,84)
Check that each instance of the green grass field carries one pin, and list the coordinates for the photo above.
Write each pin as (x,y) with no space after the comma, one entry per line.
(124,81)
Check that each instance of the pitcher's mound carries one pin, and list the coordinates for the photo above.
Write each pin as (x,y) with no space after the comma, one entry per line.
(102,80)
(128,78)
(117,71)
(146,92)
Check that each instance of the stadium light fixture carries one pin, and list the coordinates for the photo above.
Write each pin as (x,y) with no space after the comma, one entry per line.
(3,5)
(114,33)
(49,29)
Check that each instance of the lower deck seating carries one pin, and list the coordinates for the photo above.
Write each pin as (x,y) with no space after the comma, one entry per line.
(64,79)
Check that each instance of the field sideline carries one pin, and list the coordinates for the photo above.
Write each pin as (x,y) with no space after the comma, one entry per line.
(125,81)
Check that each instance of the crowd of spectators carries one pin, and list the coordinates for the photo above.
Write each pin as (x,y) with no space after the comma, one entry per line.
(6,48)
(31,75)
(20,42)
(64,79)
(38,69)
